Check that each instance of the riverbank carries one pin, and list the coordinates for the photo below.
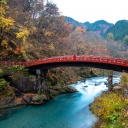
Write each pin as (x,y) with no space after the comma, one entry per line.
(66,111)
(111,108)
(18,86)
(8,98)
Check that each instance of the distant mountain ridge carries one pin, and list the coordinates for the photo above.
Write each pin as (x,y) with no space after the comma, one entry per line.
(74,22)
(102,28)
(99,27)
(119,30)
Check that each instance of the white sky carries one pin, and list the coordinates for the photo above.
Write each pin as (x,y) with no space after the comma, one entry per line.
(93,10)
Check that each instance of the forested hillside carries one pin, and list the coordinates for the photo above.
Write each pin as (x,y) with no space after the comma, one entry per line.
(99,27)
(75,23)
(115,32)
(119,31)
(32,29)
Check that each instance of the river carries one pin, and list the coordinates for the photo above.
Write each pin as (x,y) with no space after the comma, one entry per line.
(64,111)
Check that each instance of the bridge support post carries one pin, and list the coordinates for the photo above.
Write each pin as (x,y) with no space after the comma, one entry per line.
(110,77)
(41,80)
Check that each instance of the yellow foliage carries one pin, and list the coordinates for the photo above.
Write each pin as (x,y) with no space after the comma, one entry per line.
(107,104)
(48,33)
(2,10)
(51,47)
(4,22)
(22,50)
(3,2)
(124,79)
(23,34)
(112,110)
(4,43)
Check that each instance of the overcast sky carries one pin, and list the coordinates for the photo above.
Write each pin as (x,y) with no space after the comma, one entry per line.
(92,10)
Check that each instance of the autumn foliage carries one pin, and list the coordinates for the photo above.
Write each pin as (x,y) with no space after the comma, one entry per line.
(34,29)
(112,109)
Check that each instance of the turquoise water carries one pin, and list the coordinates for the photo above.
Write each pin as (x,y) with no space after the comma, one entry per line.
(64,111)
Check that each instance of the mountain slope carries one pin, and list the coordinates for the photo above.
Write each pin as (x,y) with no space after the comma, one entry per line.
(74,22)
(99,27)
(119,30)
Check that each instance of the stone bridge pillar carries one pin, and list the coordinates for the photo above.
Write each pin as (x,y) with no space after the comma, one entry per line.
(41,80)
(110,77)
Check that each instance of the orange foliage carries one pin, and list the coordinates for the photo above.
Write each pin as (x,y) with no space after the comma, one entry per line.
(19,50)
(80,30)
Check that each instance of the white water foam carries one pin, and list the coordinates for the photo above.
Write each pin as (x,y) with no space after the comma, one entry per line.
(92,87)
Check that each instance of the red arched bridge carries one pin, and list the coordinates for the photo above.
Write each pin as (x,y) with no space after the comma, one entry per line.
(40,67)
(109,63)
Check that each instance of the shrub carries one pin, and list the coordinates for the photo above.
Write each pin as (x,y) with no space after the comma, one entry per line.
(124,79)
(107,106)
(3,84)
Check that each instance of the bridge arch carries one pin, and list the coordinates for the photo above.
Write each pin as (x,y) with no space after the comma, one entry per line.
(40,67)
(109,63)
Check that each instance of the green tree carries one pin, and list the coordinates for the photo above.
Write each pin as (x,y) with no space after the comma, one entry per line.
(110,36)
(126,39)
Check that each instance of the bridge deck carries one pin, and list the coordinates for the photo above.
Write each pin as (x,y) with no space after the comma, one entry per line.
(73,60)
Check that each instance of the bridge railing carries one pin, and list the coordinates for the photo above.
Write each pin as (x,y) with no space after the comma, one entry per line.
(69,58)
(103,60)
